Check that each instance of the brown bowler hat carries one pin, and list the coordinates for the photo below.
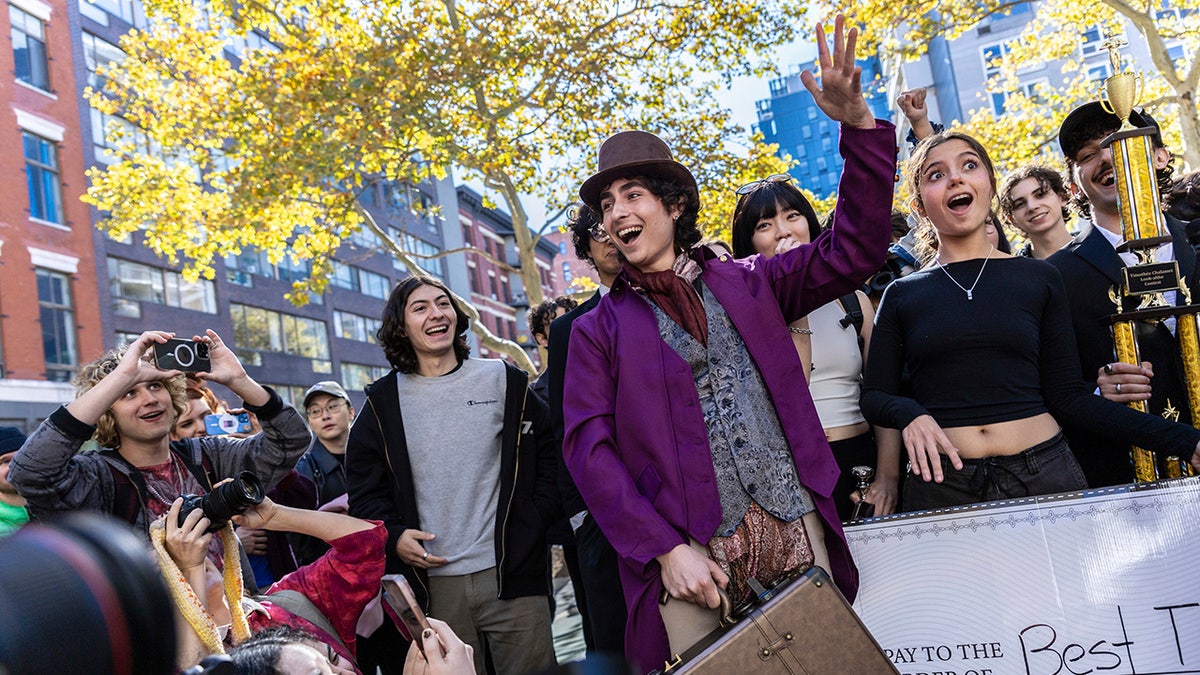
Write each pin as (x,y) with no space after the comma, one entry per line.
(632,153)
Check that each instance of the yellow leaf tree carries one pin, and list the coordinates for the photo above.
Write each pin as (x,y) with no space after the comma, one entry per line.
(269,146)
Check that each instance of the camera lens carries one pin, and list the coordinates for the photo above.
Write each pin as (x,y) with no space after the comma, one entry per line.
(185,356)
(226,501)
(82,596)
(201,350)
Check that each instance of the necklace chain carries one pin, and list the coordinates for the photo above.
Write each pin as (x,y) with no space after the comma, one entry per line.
(969,291)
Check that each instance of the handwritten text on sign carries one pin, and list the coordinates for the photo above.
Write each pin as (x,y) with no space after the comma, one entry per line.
(1063,585)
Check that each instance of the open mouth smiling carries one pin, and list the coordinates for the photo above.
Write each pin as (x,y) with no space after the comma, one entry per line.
(628,234)
(960,203)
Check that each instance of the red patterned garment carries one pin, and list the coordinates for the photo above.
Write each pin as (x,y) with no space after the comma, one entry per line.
(340,583)
(762,547)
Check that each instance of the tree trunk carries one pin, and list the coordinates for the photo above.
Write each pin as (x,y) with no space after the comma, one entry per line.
(486,337)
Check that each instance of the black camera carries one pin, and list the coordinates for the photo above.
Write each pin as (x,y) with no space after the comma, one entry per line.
(81,596)
(185,355)
(226,501)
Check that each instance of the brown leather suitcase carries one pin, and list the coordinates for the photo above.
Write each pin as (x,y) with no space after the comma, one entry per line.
(805,627)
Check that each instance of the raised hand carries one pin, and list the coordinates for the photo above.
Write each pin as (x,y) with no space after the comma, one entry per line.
(839,95)
(912,104)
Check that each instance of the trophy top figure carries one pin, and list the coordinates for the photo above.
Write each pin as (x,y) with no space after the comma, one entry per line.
(1122,90)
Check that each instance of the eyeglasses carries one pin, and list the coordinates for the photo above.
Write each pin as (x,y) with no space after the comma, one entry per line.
(599,236)
(775,178)
(332,408)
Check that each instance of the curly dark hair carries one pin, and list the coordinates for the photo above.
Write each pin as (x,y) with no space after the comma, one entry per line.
(580,222)
(1047,179)
(396,345)
(1079,201)
(673,195)
(540,317)
(763,203)
(1183,201)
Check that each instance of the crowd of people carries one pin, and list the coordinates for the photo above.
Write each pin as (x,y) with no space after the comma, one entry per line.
(694,432)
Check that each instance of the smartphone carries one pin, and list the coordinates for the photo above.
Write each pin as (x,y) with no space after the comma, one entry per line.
(180,354)
(399,595)
(227,423)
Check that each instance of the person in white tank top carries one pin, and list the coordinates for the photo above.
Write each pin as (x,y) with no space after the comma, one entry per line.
(773,216)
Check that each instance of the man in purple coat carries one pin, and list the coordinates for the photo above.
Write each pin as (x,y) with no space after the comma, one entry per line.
(688,426)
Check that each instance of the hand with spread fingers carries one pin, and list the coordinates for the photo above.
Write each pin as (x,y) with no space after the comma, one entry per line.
(1125,382)
(926,442)
(839,94)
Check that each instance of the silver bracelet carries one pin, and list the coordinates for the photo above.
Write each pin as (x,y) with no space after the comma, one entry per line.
(799,331)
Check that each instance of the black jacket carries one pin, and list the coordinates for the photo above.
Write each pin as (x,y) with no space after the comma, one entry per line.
(556,369)
(1090,267)
(380,484)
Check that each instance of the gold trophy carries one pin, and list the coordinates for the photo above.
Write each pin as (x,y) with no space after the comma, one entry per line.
(1144,228)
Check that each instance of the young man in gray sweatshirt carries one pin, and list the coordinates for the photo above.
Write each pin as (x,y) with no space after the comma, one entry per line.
(455,456)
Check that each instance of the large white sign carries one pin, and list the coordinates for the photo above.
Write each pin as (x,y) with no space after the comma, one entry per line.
(1104,582)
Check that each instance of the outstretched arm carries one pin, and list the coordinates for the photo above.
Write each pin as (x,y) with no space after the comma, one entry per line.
(324,525)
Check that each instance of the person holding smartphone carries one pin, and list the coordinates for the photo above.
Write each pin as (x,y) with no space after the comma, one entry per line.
(129,407)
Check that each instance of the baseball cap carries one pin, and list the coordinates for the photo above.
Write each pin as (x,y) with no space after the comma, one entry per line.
(11,440)
(325,387)
(1085,122)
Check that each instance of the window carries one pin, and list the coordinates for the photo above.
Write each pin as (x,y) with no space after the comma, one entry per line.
(806,132)
(99,54)
(826,144)
(257,330)
(356,376)
(41,169)
(421,248)
(133,283)
(812,112)
(290,393)
(566,267)
(1090,40)
(352,278)
(58,324)
(101,10)
(29,48)
(562,248)
(110,131)
(1100,72)
(355,326)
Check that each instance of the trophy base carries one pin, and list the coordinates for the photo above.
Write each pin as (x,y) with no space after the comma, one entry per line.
(1146,242)
(1154,313)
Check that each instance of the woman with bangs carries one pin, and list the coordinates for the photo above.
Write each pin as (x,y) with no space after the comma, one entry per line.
(988,343)
(772,216)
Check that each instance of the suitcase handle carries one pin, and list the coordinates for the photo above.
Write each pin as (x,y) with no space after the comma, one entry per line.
(725,609)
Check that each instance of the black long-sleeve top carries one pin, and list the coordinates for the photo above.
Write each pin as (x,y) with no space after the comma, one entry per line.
(1008,354)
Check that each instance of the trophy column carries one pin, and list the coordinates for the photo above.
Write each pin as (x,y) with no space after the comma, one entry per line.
(1144,283)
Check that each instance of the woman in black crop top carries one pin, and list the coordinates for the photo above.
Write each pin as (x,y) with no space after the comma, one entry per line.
(988,344)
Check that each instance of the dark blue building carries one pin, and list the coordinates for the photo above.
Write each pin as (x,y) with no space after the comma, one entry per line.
(792,119)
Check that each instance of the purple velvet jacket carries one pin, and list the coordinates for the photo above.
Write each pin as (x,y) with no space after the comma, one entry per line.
(635,438)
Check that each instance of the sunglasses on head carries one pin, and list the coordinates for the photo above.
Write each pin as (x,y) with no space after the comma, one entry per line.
(775,178)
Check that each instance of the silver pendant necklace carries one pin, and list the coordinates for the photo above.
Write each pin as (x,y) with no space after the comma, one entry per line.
(969,291)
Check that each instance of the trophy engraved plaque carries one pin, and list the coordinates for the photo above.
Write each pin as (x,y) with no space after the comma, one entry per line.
(1140,297)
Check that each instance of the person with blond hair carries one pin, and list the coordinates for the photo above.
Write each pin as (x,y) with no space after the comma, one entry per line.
(129,407)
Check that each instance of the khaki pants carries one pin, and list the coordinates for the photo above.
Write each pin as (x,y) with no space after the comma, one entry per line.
(688,623)
(517,630)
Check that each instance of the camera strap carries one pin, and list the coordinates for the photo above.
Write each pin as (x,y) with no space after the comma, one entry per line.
(854,314)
